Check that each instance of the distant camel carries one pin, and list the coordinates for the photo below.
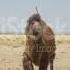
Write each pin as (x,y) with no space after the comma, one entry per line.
(40,45)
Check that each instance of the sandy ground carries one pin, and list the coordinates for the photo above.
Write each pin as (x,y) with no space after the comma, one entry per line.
(11,57)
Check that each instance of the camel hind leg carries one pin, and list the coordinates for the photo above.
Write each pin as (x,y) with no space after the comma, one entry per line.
(51,64)
(51,61)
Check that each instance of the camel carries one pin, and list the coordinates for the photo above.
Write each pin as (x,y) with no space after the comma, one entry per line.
(40,45)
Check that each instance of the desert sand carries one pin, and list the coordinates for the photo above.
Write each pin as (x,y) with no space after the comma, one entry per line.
(12,48)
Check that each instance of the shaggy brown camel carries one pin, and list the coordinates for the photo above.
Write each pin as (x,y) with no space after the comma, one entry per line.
(40,45)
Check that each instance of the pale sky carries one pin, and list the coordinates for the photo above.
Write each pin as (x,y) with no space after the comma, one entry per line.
(56,12)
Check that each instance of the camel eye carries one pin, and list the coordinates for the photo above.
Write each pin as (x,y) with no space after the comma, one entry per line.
(32,23)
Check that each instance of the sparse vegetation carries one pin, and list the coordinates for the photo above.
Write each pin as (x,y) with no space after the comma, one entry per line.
(62,39)
(21,39)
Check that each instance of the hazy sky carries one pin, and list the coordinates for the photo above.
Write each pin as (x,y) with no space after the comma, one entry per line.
(57,12)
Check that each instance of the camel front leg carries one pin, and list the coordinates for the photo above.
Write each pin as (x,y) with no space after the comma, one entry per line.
(27,63)
(44,62)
